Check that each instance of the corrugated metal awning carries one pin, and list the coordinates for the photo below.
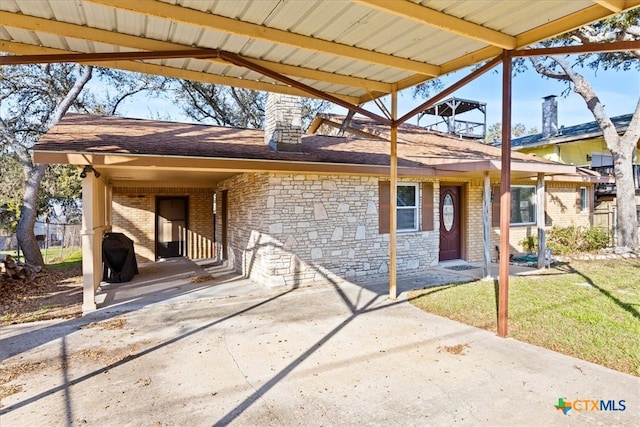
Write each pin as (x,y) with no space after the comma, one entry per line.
(355,50)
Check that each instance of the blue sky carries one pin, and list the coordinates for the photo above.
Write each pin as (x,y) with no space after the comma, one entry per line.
(619,91)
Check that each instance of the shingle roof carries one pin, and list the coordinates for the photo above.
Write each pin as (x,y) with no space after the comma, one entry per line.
(417,147)
(429,146)
(571,133)
(78,133)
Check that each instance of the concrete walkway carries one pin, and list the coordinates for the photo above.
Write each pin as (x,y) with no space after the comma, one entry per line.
(180,280)
(338,355)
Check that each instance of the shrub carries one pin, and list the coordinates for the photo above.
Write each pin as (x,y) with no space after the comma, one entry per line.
(568,240)
(529,244)
(563,240)
(594,239)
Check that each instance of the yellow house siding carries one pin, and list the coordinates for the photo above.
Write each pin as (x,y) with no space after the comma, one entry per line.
(572,153)
(545,152)
(576,153)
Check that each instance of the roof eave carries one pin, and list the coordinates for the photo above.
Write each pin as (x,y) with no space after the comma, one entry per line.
(220,163)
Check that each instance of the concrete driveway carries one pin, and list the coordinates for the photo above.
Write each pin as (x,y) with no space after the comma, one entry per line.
(337,355)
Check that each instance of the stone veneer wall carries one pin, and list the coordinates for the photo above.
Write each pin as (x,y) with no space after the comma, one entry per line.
(248,249)
(134,215)
(283,122)
(288,229)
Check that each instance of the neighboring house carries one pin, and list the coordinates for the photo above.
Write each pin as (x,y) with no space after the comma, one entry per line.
(580,145)
(291,209)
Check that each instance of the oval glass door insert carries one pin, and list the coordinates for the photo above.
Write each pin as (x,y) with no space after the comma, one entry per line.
(447,212)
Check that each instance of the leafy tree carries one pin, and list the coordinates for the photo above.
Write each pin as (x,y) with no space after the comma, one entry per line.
(229,106)
(624,26)
(11,178)
(494,132)
(120,86)
(621,27)
(426,89)
(60,186)
(34,98)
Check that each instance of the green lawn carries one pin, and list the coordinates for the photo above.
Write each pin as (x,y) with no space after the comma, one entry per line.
(590,310)
(54,254)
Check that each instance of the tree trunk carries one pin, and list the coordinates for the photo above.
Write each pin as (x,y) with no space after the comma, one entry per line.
(621,148)
(29,213)
(626,216)
(35,172)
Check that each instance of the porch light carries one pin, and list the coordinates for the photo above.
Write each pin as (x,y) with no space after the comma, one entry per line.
(89,168)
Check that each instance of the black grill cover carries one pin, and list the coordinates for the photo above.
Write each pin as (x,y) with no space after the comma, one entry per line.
(118,257)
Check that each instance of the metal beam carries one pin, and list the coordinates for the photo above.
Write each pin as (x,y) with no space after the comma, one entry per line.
(457,85)
(505,198)
(566,24)
(578,49)
(393,198)
(613,5)
(538,34)
(260,32)
(227,56)
(213,53)
(243,62)
(110,56)
(32,23)
(147,68)
(442,21)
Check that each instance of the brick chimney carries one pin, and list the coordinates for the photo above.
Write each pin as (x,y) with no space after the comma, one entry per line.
(283,123)
(549,116)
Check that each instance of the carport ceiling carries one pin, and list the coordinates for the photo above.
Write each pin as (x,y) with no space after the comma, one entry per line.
(354,50)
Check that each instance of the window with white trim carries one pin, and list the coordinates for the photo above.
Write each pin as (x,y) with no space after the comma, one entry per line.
(414,207)
(523,204)
(407,207)
(584,199)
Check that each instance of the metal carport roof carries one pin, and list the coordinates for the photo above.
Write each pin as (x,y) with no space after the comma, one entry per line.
(346,51)
(355,50)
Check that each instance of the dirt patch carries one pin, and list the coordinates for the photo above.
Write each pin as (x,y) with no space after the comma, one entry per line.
(454,349)
(91,354)
(8,390)
(11,373)
(108,325)
(201,279)
(107,357)
(52,294)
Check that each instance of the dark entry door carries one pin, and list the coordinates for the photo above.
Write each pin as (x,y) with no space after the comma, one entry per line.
(450,234)
(171,226)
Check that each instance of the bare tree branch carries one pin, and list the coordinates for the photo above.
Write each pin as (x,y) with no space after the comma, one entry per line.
(70,97)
